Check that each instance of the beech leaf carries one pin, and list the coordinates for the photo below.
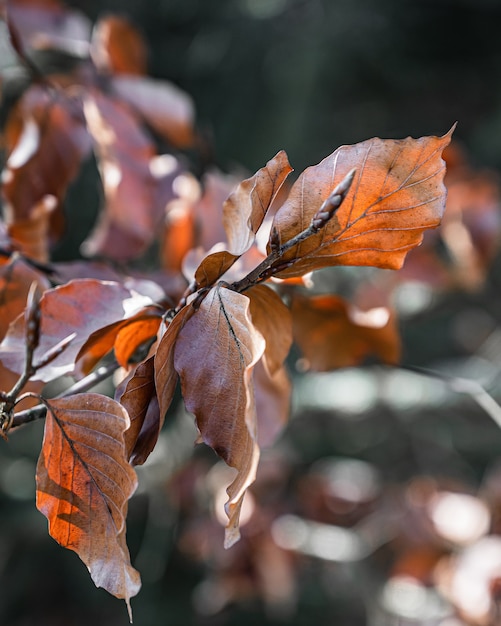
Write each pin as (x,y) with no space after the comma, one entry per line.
(273,394)
(215,352)
(83,486)
(245,209)
(81,307)
(397,193)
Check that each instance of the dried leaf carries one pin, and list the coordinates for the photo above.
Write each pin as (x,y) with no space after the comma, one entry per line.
(165,375)
(245,209)
(31,236)
(331,334)
(83,486)
(81,306)
(137,394)
(135,192)
(215,352)
(397,193)
(133,335)
(213,266)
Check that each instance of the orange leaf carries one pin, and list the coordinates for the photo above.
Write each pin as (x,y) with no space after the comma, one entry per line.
(245,209)
(137,394)
(133,335)
(397,193)
(215,352)
(83,486)
(331,334)
(117,47)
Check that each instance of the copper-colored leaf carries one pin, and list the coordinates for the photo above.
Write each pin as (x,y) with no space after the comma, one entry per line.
(166,108)
(46,155)
(83,486)
(165,375)
(245,209)
(330,333)
(213,266)
(273,320)
(81,307)
(137,394)
(133,336)
(215,352)
(135,190)
(117,47)
(31,236)
(397,193)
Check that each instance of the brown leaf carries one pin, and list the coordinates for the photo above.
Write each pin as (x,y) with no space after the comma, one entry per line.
(213,266)
(330,333)
(165,375)
(214,354)
(117,47)
(83,486)
(31,236)
(397,193)
(273,320)
(16,277)
(81,307)
(245,209)
(166,108)
(137,395)
(46,155)
(136,190)
(133,335)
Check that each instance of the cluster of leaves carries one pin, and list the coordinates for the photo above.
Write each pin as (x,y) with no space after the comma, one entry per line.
(223,305)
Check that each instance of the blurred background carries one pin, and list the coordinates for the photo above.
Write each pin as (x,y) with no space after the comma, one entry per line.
(380,504)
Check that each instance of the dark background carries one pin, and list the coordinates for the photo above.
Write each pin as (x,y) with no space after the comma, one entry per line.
(305,76)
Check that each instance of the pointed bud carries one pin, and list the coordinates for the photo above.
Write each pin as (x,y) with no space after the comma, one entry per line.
(333,202)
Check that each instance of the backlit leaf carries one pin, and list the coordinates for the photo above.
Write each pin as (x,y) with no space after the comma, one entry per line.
(83,486)
(81,307)
(215,352)
(245,209)
(397,193)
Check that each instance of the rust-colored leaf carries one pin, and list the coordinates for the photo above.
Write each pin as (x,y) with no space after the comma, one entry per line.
(273,320)
(117,47)
(31,236)
(83,486)
(46,155)
(134,188)
(245,209)
(330,333)
(81,307)
(215,352)
(133,336)
(213,266)
(165,375)
(137,394)
(397,193)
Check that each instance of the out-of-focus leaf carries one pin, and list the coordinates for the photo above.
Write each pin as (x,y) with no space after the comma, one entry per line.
(117,47)
(83,486)
(164,107)
(215,352)
(330,333)
(135,192)
(31,236)
(397,194)
(46,155)
(137,394)
(245,209)
(81,307)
